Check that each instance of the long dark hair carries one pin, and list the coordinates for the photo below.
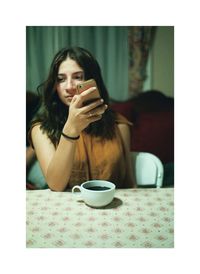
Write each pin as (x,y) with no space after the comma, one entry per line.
(54,112)
(32,106)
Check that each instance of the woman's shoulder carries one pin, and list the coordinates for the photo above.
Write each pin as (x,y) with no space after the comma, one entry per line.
(35,127)
(120,119)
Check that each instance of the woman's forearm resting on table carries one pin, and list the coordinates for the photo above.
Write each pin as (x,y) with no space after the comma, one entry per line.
(60,167)
(56,163)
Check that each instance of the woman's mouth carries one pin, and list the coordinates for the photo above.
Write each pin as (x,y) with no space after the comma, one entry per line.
(69,96)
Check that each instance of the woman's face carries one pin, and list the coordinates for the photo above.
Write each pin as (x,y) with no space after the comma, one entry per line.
(69,75)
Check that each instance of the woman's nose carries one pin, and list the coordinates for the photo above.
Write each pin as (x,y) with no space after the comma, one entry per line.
(69,85)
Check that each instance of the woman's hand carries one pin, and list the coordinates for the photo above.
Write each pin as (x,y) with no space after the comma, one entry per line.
(81,116)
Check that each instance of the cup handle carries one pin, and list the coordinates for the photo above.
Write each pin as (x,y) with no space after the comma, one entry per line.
(79,198)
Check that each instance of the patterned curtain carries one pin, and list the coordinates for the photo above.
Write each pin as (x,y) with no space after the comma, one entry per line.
(139,43)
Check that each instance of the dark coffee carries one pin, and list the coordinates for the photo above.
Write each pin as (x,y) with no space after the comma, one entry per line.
(97,188)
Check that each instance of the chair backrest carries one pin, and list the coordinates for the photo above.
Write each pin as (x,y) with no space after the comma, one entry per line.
(148,169)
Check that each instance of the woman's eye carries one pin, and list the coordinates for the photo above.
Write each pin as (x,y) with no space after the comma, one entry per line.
(59,80)
(78,77)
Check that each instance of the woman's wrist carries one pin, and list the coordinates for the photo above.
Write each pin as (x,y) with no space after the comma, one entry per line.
(70,132)
(70,137)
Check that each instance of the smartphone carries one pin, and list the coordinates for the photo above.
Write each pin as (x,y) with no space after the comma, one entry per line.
(86,85)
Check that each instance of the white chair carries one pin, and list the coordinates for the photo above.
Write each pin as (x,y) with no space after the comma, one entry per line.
(148,169)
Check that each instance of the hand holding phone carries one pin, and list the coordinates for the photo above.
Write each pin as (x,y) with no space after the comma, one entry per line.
(95,95)
(85,109)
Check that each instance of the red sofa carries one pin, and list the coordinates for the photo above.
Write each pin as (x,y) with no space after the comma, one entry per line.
(152,115)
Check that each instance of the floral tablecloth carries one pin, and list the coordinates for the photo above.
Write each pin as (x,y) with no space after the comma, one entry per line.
(136,218)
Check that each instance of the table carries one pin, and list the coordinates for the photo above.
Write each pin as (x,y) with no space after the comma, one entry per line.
(137,218)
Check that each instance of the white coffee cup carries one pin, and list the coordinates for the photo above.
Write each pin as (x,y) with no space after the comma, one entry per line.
(96,193)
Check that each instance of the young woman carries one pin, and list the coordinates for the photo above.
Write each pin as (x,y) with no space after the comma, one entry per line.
(76,142)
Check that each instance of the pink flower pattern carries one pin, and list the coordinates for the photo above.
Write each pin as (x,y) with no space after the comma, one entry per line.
(143,219)
(62,229)
(132,237)
(130,225)
(66,219)
(128,213)
(148,244)
(104,236)
(91,219)
(161,238)
(116,219)
(156,225)
(35,229)
(118,244)
(52,224)
(59,243)
(89,244)
(75,236)
(104,213)
(105,224)
(117,230)
(152,214)
(145,231)
(48,236)
(91,230)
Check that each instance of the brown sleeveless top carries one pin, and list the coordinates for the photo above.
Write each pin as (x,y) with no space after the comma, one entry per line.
(99,159)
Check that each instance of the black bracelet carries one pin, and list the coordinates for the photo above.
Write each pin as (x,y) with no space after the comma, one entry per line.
(68,137)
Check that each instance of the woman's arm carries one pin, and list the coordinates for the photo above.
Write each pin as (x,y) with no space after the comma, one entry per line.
(57,163)
(130,177)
